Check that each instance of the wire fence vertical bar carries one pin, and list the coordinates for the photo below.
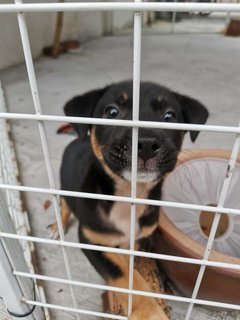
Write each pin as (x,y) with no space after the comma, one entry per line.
(43,138)
(11,291)
(137,35)
(136,89)
(222,198)
(173,22)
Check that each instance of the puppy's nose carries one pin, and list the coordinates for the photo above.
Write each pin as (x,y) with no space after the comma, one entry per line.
(147,148)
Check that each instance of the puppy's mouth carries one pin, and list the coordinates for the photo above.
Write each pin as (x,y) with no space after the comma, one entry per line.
(147,171)
(143,176)
(149,165)
(151,170)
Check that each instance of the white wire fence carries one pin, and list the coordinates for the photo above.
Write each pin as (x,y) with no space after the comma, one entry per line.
(11,186)
(17,215)
(8,175)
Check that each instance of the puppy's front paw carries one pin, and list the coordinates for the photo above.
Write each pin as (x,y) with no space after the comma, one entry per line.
(148,310)
(53,231)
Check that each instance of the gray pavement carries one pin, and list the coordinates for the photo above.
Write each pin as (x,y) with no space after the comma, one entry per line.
(206,67)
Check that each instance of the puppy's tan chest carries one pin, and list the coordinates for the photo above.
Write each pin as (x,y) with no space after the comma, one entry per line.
(120,217)
(120,214)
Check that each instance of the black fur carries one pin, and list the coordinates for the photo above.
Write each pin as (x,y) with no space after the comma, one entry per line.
(83,170)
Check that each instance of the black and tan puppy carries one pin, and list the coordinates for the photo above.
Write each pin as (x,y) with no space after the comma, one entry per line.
(100,162)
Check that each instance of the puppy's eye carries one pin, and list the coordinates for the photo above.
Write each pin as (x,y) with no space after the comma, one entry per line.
(111,112)
(169,116)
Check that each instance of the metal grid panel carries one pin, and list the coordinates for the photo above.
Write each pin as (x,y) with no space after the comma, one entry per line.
(18,218)
(136,7)
(8,175)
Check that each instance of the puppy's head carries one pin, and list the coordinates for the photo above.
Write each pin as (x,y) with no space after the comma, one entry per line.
(157,148)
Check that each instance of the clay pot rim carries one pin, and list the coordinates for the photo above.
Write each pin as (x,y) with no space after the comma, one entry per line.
(182,242)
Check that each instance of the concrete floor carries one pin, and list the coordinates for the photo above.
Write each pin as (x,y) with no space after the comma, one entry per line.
(203,66)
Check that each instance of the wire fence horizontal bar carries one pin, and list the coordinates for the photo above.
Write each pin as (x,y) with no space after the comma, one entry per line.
(216,304)
(235,307)
(120,6)
(76,310)
(123,290)
(141,293)
(174,7)
(122,123)
(97,196)
(151,255)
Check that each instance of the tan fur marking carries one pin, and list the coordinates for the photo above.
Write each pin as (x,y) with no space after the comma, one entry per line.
(147,231)
(122,98)
(160,98)
(65,216)
(65,212)
(144,308)
(125,96)
(120,213)
(142,188)
(97,150)
(102,238)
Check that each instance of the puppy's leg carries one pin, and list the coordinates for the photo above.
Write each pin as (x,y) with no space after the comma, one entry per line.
(143,308)
(65,215)
(114,268)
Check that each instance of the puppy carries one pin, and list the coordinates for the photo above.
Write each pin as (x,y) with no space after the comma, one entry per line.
(100,162)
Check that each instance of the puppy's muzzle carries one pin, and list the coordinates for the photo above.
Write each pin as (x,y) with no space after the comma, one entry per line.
(147,148)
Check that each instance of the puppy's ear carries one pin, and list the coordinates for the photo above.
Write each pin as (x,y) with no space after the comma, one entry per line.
(193,112)
(83,106)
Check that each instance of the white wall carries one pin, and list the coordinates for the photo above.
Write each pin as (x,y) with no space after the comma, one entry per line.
(122,19)
(41,26)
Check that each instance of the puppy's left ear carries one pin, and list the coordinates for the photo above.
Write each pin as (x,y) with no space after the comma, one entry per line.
(83,106)
(193,112)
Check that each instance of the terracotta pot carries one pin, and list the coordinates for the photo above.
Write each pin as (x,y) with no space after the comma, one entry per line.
(218,284)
